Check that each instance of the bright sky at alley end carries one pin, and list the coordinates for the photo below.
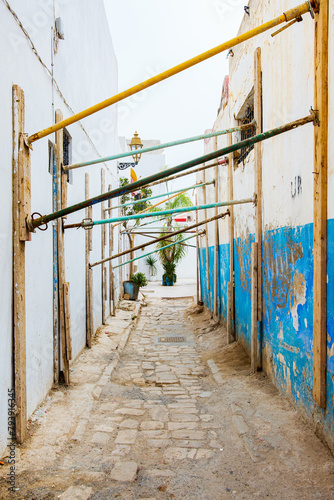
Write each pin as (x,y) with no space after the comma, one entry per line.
(150,36)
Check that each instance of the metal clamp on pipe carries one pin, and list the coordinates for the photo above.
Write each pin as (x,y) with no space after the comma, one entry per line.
(313,6)
(297,20)
(87,224)
(315,113)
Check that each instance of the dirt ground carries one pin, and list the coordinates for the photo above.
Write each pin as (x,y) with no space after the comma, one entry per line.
(166,410)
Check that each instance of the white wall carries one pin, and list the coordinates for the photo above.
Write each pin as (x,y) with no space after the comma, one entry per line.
(86,72)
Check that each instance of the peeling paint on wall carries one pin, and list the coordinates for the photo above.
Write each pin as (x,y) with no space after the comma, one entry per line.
(298,298)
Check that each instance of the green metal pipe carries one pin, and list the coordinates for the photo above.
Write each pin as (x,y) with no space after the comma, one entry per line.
(161,238)
(86,223)
(135,202)
(43,220)
(155,251)
(160,146)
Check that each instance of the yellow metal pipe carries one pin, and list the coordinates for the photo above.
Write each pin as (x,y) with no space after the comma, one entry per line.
(285,17)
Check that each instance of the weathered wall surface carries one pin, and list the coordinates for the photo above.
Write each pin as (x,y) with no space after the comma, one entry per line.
(288,165)
(85,69)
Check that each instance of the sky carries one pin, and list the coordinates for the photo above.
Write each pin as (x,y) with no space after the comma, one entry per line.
(150,36)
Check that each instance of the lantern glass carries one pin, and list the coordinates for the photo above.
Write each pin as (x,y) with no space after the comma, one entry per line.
(134,145)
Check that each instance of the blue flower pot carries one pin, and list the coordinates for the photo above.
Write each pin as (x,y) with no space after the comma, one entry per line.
(131,289)
(166,281)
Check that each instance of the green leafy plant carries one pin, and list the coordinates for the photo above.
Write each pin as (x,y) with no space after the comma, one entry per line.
(169,277)
(169,257)
(151,263)
(139,279)
(133,209)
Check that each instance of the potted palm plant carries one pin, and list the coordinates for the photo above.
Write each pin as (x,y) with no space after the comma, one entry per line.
(169,277)
(151,263)
(169,257)
(133,286)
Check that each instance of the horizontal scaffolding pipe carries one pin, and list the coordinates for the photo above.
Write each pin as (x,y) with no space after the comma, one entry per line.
(148,233)
(158,250)
(136,202)
(86,223)
(286,17)
(223,161)
(160,146)
(40,221)
(162,238)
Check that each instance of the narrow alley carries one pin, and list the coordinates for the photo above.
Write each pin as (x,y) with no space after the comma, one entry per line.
(159,408)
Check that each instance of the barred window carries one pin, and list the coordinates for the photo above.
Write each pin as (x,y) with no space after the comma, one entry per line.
(247,134)
(244,117)
(67,154)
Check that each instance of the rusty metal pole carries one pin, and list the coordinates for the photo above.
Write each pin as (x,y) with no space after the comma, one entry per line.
(169,235)
(40,221)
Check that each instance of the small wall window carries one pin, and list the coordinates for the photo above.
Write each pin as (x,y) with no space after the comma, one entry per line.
(67,154)
(245,116)
(247,134)
(51,150)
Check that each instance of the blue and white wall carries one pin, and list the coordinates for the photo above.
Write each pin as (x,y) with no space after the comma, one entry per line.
(85,69)
(288,165)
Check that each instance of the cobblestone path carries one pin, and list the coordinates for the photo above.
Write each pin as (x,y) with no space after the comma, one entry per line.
(166,419)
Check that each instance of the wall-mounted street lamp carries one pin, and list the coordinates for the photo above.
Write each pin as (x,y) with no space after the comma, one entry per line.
(134,145)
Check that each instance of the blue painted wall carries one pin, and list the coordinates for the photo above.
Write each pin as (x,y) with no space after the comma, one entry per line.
(287,333)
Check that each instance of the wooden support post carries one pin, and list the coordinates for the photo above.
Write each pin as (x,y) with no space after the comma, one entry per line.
(67,311)
(61,253)
(132,244)
(206,237)
(103,250)
(87,260)
(258,182)
(56,367)
(21,170)
(198,271)
(230,291)
(230,329)
(216,264)
(320,207)
(254,299)
(111,272)
(120,269)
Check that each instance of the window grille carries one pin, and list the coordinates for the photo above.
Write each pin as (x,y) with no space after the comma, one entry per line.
(67,154)
(247,134)
(51,149)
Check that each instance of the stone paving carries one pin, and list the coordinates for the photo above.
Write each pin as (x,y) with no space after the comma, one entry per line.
(151,416)
(169,377)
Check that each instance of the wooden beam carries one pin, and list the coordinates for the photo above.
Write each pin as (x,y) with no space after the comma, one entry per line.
(230,293)
(230,329)
(216,262)
(55,297)
(111,272)
(198,271)
(67,310)
(320,206)
(258,116)
(89,276)
(61,252)
(258,171)
(103,249)
(19,161)
(206,237)
(254,299)
(132,244)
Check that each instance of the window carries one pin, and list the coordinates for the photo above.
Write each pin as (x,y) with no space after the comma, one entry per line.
(67,154)
(51,149)
(247,134)
(245,116)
